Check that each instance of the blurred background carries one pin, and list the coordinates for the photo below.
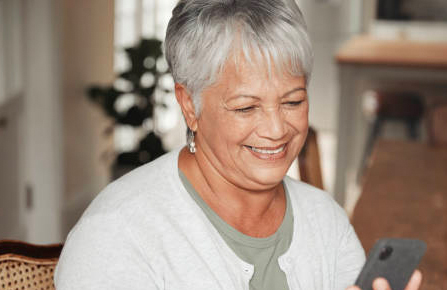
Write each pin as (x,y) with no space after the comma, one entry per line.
(85,96)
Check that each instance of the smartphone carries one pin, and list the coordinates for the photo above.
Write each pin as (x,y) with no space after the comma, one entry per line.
(392,259)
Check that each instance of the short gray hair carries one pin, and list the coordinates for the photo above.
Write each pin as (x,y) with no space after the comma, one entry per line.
(203,34)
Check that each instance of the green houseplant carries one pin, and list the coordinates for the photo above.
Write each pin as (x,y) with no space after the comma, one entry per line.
(142,81)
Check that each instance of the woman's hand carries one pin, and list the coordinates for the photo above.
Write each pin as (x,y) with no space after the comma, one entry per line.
(382,284)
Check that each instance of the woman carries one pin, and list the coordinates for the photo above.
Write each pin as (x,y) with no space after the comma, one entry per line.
(220,213)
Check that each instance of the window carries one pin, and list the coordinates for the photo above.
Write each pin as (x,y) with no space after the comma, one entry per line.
(136,19)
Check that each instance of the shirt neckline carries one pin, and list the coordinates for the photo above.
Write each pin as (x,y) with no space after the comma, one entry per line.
(224,228)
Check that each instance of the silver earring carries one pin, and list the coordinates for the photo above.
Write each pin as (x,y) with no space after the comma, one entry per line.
(190,141)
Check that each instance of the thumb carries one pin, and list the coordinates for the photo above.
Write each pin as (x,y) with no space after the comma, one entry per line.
(381,284)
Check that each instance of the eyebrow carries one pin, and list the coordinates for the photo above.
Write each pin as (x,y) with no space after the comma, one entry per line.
(294,90)
(258,98)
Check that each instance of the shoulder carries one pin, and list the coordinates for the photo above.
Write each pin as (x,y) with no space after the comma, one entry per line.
(149,199)
(129,214)
(147,186)
(318,210)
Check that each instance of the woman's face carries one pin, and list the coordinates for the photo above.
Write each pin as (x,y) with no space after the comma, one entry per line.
(252,126)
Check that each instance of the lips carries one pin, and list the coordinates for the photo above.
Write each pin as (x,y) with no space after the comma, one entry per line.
(268,153)
(265,150)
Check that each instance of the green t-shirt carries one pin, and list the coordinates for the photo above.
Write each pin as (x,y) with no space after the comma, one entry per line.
(262,253)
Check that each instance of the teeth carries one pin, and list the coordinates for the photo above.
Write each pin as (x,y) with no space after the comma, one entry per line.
(264,151)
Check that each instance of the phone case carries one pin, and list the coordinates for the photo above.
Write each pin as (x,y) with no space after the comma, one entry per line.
(392,259)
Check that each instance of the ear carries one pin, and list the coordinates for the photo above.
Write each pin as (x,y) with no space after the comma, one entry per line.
(184,99)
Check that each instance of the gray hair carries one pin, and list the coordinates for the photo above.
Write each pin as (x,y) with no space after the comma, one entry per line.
(203,34)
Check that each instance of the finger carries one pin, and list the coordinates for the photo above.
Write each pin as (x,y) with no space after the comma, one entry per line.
(381,284)
(415,281)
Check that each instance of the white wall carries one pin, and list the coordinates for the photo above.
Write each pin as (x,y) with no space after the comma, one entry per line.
(11,80)
(2,53)
(330,23)
(10,113)
(43,121)
(369,13)
(87,29)
(55,154)
(12,220)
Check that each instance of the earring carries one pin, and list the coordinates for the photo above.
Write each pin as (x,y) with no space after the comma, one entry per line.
(190,141)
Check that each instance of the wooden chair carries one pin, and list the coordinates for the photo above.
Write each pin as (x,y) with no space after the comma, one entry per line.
(27,266)
(436,122)
(309,161)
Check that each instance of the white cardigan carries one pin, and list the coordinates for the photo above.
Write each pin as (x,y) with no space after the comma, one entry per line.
(144,231)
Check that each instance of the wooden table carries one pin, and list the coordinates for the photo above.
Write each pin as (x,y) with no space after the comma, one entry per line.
(368,63)
(405,195)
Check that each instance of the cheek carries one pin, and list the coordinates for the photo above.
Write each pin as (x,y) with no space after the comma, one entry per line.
(236,131)
(299,120)
(224,129)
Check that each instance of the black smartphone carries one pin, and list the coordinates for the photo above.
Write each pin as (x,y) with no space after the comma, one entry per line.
(392,259)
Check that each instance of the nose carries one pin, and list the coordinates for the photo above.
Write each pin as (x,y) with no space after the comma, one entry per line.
(273,125)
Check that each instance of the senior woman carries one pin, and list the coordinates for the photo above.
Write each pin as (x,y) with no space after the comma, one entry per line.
(220,213)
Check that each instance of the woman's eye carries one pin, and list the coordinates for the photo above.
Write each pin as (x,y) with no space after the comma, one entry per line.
(245,109)
(293,103)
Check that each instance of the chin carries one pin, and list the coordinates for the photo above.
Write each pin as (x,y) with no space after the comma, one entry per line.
(270,177)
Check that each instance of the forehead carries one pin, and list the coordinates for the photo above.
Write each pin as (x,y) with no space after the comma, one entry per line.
(239,74)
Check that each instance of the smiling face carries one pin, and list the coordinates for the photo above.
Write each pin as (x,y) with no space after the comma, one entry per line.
(252,126)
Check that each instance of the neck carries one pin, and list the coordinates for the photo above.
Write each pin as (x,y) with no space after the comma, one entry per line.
(245,209)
